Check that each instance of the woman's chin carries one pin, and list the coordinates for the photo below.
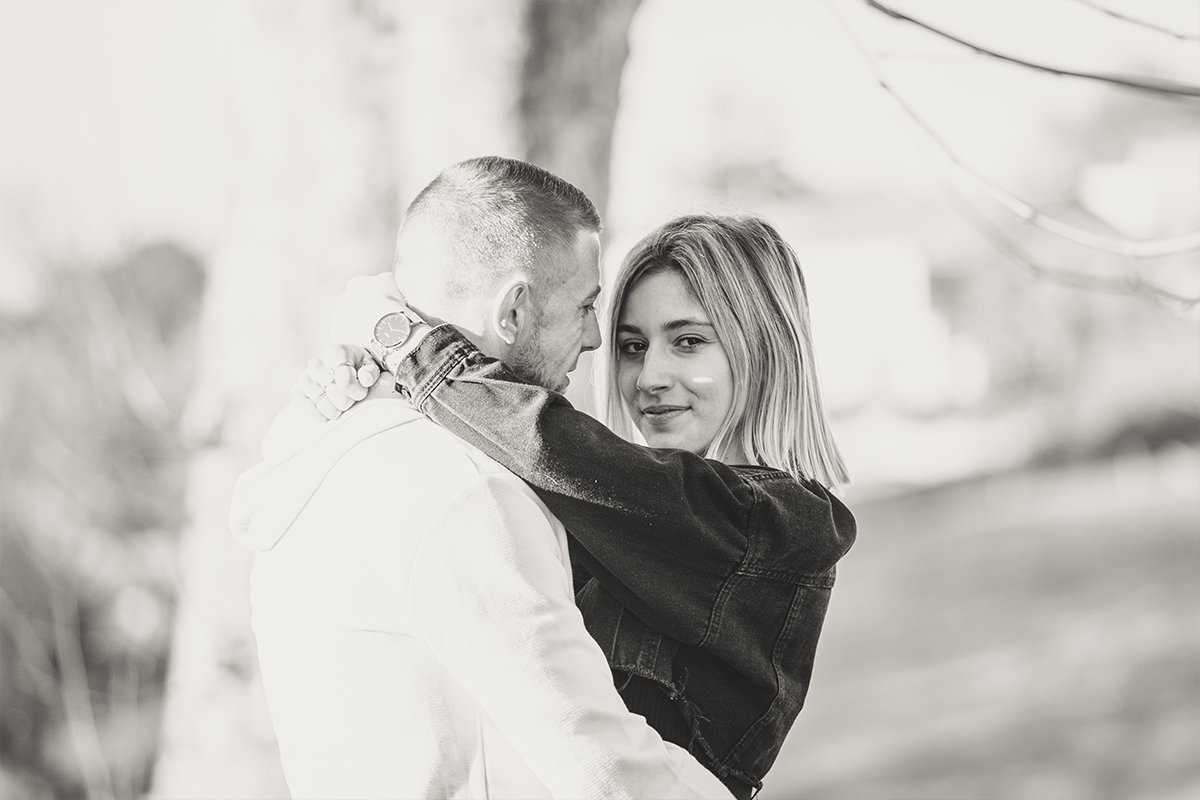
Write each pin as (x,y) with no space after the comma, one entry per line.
(666,441)
(657,439)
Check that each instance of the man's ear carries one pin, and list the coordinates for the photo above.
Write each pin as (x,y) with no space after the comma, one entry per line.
(512,309)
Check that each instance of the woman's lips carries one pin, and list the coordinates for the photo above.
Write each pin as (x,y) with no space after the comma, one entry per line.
(661,415)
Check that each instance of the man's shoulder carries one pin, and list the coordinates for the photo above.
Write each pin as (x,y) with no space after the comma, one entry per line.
(383,450)
(434,457)
(397,432)
(392,448)
(426,474)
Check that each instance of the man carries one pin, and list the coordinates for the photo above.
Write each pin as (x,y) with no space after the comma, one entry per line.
(426,643)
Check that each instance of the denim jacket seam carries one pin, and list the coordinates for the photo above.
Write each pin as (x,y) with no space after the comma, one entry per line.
(818,580)
(763,475)
(642,650)
(648,674)
(448,363)
(727,589)
(612,645)
(756,726)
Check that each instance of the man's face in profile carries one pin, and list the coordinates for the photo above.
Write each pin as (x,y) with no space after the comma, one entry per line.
(567,325)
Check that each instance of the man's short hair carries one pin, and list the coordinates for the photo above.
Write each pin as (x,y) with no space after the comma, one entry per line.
(490,218)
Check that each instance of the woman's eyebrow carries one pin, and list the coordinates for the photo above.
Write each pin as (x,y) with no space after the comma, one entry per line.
(676,324)
(673,325)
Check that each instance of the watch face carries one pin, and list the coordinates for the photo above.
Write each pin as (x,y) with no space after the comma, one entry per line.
(392,329)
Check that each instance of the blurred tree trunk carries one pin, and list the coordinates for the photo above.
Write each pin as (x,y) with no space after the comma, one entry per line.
(396,92)
(570,85)
(313,205)
(570,90)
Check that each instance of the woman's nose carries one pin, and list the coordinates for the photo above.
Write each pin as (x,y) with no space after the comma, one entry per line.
(656,371)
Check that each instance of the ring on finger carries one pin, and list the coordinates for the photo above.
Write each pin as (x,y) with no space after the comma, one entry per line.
(332,376)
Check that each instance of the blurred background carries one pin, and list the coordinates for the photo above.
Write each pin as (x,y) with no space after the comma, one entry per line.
(997,206)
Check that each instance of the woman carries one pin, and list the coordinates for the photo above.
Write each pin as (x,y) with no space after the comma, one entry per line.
(706,559)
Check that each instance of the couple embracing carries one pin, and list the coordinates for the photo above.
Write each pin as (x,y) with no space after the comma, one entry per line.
(463,587)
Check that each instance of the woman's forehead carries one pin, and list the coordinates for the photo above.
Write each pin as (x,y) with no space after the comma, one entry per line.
(660,296)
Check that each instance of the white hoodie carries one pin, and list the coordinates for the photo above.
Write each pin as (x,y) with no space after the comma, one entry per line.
(416,626)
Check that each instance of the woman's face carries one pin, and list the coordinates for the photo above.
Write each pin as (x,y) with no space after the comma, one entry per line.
(672,371)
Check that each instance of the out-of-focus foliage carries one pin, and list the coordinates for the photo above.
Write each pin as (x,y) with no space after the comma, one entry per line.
(1019,616)
(92,480)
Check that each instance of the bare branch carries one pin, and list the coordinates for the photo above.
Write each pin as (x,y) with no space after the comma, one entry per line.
(1140,22)
(1023,210)
(77,701)
(1159,86)
(1131,283)
(31,650)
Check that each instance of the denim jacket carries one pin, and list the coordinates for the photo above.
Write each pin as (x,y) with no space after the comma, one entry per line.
(709,580)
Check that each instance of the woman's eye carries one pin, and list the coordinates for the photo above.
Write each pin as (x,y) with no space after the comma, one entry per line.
(632,347)
(689,342)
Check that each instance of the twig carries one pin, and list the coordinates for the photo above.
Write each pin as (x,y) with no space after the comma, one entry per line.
(1023,210)
(1160,86)
(77,701)
(123,690)
(30,648)
(1131,283)
(1141,22)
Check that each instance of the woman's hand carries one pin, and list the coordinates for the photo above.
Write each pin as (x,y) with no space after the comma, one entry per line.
(334,381)
(341,374)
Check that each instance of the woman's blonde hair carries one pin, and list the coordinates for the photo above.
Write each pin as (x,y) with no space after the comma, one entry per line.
(748,280)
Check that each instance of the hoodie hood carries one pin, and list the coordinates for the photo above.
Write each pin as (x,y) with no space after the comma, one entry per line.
(297,455)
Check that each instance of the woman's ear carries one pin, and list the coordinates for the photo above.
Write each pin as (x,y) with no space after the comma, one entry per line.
(511,310)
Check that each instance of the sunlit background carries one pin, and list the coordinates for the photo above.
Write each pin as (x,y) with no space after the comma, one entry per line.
(997,205)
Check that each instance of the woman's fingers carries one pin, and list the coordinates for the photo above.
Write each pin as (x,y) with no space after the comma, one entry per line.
(302,399)
(331,382)
(368,373)
(346,390)
(340,398)
(311,393)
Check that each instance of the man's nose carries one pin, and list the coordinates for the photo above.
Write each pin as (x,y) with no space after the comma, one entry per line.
(591,333)
(655,376)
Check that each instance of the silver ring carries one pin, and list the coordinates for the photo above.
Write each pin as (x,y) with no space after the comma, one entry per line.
(333,373)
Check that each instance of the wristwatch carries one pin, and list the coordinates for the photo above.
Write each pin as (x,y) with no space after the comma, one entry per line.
(392,332)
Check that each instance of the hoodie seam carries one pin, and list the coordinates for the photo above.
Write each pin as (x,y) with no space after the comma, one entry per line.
(312,492)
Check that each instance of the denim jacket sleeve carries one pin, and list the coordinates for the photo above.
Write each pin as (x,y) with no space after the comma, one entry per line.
(662,530)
